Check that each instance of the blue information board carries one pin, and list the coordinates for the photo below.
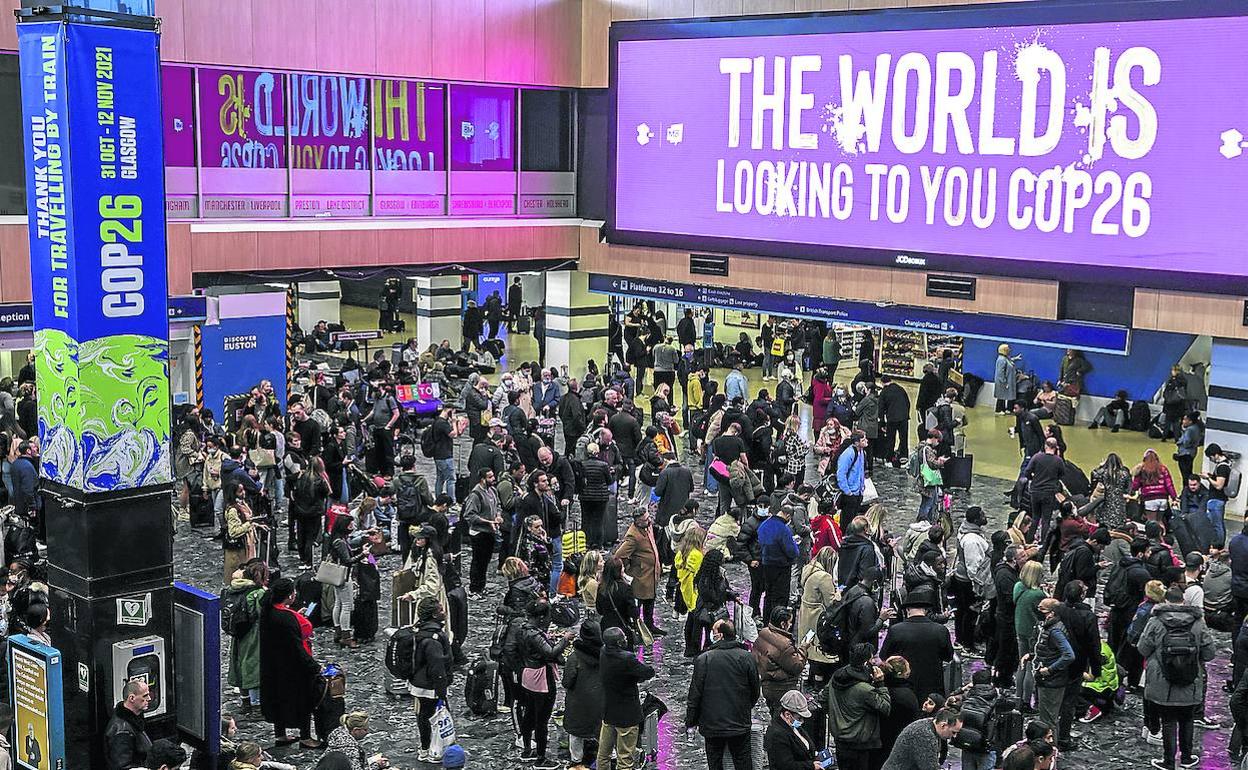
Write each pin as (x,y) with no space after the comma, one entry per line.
(1091,337)
(35,682)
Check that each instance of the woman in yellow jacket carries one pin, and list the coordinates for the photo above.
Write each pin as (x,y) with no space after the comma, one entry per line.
(688,561)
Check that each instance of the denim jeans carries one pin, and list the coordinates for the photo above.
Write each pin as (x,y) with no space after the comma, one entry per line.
(711,483)
(1216,511)
(927,505)
(445,478)
(556,563)
(976,760)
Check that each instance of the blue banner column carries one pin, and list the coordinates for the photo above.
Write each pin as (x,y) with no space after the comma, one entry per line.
(95,195)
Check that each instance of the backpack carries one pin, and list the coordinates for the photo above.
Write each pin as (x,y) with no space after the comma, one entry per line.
(977,727)
(236,619)
(1180,657)
(581,443)
(426,441)
(1233,481)
(830,631)
(407,497)
(510,655)
(1116,588)
(1139,417)
(939,417)
(914,464)
(401,653)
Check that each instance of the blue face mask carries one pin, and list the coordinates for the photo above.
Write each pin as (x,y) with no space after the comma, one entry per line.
(797,723)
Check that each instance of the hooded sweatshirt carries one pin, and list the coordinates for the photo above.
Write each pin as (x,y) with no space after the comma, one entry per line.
(1177,621)
(855,705)
(974,562)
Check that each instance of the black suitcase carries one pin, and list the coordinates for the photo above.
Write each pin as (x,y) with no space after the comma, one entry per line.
(463,485)
(957,471)
(524,325)
(1009,728)
(457,598)
(611,518)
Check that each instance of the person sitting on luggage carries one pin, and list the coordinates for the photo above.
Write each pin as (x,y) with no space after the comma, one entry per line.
(1114,414)
(1100,688)
(1046,400)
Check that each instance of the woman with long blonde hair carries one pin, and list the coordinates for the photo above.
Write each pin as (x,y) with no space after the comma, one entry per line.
(587,579)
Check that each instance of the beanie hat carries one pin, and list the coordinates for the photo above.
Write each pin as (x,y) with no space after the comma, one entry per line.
(454,756)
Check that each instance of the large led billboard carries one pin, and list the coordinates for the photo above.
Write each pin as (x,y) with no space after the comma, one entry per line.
(1100,140)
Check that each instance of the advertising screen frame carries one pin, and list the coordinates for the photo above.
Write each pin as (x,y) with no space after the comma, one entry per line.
(1036,13)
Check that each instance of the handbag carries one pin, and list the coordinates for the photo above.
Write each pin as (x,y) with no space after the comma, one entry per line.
(644,634)
(332,574)
(931,476)
(262,458)
(869,492)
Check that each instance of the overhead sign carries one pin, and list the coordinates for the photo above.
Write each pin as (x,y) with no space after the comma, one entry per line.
(1064,140)
(1064,334)
(95,190)
(38,704)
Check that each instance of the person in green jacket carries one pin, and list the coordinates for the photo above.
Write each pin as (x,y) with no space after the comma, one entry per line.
(1027,595)
(1101,691)
(245,650)
(857,698)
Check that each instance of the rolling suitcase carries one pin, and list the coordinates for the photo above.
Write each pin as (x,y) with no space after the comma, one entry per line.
(957,471)
(757,753)
(457,598)
(1064,410)
(953,675)
(405,615)
(611,518)
(401,582)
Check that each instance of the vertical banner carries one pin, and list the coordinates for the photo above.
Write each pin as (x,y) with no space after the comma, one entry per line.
(38,706)
(328,126)
(95,190)
(409,147)
(247,345)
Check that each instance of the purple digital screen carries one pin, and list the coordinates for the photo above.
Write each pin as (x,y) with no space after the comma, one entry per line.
(177,98)
(483,123)
(328,122)
(243,118)
(1029,149)
(409,125)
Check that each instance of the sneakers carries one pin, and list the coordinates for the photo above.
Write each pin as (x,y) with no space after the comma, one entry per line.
(422,756)
(1192,761)
(528,756)
(547,764)
(1205,723)
(1094,713)
(1153,739)
(1161,765)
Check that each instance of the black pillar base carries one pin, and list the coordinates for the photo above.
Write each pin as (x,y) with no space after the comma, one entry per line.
(103,548)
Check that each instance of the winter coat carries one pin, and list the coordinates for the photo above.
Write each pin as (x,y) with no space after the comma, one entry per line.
(926,645)
(894,403)
(867,415)
(724,688)
(289,675)
(856,555)
(1084,635)
(903,709)
(126,742)
(780,662)
(855,705)
(974,559)
(582,713)
(536,648)
(851,473)
(433,656)
(918,747)
(1005,379)
(1239,565)
(861,617)
(786,747)
(245,650)
(1168,619)
(722,535)
(775,543)
(641,560)
(1004,577)
(621,673)
(818,591)
(674,487)
(595,480)
(686,576)
(617,607)
(744,483)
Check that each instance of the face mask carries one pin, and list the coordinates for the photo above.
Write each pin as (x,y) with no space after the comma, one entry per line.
(797,723)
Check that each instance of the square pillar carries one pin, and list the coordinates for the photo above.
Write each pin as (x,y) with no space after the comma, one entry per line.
(1226,421)
(576,322)
(439,311)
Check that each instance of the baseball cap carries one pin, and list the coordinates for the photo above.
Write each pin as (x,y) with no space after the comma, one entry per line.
(454,756)
(794,702)
(496,423)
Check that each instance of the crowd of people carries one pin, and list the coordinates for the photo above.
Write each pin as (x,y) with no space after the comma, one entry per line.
(576,511)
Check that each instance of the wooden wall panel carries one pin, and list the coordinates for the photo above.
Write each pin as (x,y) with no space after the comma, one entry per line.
(407,47)
(346,36)
(172,29)
(623,10)
(1220,316)
(406,247)
(343,248)
(509,34)
(557,43)
(220,31)
(720,7)
(595,26)
(178,259)
(273,38)
(669,9)
(768,6)
(287,250)
(1144,314)
(222,252)
(459,40)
